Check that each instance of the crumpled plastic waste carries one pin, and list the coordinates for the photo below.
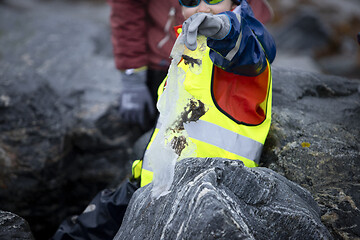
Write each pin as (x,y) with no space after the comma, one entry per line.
(172,143)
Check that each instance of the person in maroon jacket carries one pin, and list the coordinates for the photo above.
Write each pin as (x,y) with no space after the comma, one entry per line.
(142,37)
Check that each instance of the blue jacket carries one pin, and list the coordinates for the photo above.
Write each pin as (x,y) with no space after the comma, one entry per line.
(246,47)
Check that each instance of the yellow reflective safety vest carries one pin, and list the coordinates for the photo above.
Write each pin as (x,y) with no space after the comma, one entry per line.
(236,119)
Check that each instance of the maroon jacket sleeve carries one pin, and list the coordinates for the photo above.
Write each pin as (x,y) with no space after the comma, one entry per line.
(128,27)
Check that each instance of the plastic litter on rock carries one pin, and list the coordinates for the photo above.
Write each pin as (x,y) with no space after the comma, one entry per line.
(172,143)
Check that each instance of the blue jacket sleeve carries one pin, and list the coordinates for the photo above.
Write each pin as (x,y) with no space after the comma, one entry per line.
(246,47)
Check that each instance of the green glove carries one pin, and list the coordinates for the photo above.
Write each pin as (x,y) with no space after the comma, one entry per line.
(214,26)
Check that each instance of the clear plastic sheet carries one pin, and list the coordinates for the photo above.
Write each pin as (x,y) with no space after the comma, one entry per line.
(172,143)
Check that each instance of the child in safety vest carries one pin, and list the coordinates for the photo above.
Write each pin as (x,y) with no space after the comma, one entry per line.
(223,92)
(227,109)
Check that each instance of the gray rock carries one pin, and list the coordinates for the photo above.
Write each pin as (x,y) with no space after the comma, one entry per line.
(221,199)
(13,227)
(314,141)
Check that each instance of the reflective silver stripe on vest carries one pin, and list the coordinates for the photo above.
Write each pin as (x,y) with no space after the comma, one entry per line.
(220,137)
(233,51)
(225,139)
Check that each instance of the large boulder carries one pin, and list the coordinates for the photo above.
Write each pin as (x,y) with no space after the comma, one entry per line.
(314,141)
(216,198)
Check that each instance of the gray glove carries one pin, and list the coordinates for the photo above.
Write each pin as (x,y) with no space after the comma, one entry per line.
(136,104)
(214,26)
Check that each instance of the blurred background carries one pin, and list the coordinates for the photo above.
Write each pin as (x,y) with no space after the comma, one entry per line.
(318,36)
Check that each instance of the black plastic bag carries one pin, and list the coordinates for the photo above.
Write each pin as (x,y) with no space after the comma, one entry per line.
(101,219)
